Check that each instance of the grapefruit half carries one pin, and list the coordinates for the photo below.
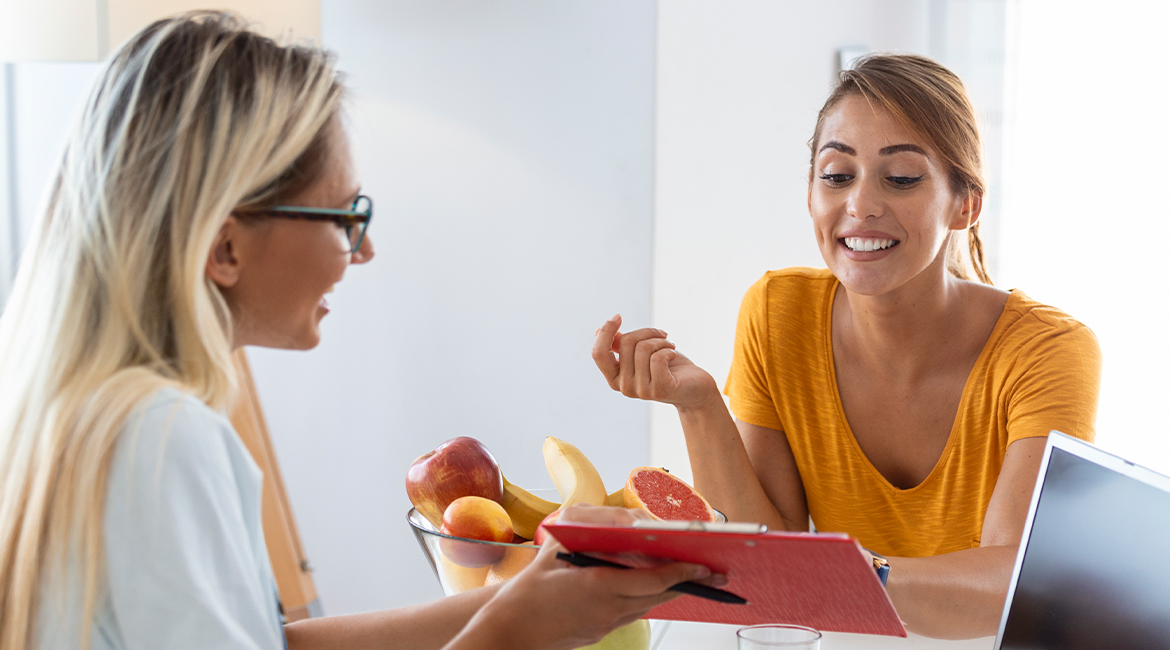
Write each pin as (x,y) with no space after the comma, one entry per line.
(665,496)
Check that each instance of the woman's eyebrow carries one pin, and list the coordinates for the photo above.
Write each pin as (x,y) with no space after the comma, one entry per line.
(839,146)
(884,151)
(899,148)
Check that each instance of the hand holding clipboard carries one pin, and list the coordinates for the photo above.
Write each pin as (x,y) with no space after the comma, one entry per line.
(688,587)
(814,579)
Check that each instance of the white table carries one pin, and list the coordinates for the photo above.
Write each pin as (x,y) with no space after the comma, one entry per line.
(709,636)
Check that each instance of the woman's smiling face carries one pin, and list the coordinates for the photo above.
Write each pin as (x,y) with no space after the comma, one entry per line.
(880,200)
(282,269)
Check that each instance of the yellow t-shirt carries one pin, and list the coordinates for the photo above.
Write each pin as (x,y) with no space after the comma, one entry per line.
(1040,370)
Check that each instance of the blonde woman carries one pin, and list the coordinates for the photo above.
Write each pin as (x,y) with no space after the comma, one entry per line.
(207,200)
(891,396)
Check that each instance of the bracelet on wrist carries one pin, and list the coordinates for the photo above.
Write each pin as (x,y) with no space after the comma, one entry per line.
(880,565)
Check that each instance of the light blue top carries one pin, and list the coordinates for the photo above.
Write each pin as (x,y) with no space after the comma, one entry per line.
(186,564)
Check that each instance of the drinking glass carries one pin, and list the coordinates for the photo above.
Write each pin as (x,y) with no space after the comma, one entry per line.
(762,637)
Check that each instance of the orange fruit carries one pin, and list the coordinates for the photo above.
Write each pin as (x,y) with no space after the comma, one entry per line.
(458,579)
(513,562)
(665,496)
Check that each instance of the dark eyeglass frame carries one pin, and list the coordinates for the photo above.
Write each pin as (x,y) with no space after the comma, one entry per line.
(355,217)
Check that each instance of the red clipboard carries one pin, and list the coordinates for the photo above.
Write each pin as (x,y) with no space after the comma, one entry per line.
(819,580)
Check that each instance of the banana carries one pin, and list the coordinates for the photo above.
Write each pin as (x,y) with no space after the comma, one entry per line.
(526,509)
(617,498)
(573,475)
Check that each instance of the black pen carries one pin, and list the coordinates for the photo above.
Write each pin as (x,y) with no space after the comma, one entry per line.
(691,588)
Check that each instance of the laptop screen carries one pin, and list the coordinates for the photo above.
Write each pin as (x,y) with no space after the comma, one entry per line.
(1095,570)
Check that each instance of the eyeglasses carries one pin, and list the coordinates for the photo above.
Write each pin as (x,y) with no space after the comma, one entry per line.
(355,220)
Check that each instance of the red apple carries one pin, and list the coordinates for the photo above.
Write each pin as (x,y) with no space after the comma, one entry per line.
(457,468)
(475,518)
(541,533)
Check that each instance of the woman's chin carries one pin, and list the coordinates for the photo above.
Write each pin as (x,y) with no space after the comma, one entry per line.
(309,340)
(864,282)
(305,339)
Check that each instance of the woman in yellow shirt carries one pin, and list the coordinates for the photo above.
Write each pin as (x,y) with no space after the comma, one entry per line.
(890,396)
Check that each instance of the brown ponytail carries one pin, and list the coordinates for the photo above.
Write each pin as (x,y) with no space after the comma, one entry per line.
(932,101)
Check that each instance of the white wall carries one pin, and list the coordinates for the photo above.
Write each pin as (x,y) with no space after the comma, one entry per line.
(969,37)
(9,238)
(1086,205)
(46,97)
(508,147)
(739,87)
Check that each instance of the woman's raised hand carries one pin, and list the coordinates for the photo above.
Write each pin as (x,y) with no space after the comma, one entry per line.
(645,365)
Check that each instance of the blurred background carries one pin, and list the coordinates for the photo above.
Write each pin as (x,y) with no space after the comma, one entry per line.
(539,166)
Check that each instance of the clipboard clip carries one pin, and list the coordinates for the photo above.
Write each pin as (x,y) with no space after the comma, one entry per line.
(739,528)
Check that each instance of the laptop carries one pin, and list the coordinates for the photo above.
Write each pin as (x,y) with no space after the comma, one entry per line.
(1093,571)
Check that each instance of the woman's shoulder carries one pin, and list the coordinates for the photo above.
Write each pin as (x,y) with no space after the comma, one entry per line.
(1032,326)
(1030,314)
(176,405)
(797,285)
(177,434)
(787,310)
(179,417)
(798,277)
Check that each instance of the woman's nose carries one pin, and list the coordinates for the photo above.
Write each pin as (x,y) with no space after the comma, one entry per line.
(864,199)
(364,253)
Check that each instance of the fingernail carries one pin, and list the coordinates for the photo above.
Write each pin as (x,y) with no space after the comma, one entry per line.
(718,581)
(614,317)
(702,572)
(596,331)
(671,343)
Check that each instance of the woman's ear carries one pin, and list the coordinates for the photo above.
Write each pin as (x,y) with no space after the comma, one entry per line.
(223,264)
(810,182)
(970,207)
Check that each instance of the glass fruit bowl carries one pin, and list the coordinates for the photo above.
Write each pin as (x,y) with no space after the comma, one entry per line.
(463,564)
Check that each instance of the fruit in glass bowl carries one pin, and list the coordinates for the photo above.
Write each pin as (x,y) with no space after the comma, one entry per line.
(474,518)
(473,524)
(456,579)
(447,555)
(460,467)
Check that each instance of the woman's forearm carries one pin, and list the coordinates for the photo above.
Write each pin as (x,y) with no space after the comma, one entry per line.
(428,626)
(954,596)
(488,630)
(722,469)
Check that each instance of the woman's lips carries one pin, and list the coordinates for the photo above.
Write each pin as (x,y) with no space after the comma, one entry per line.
(864,244)
(878,247)
(324,304)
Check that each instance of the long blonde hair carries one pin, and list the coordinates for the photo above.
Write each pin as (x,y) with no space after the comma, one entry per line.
(194,117)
